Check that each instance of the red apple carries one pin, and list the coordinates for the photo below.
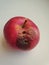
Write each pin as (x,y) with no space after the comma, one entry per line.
(21,33)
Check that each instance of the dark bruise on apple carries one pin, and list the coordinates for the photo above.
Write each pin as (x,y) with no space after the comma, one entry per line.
(21,33)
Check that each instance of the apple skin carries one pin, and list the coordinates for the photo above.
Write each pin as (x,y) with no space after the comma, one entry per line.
(13,31)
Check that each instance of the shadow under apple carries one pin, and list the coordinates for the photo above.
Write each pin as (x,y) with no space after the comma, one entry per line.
(9,50)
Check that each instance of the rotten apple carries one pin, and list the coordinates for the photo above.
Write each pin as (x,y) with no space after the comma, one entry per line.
(21,33)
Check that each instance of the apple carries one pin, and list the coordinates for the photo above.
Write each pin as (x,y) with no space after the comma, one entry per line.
(21,33)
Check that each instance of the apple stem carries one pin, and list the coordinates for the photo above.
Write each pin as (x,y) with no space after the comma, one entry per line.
(24,24)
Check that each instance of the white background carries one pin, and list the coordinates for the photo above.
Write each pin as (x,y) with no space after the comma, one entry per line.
(36,10)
